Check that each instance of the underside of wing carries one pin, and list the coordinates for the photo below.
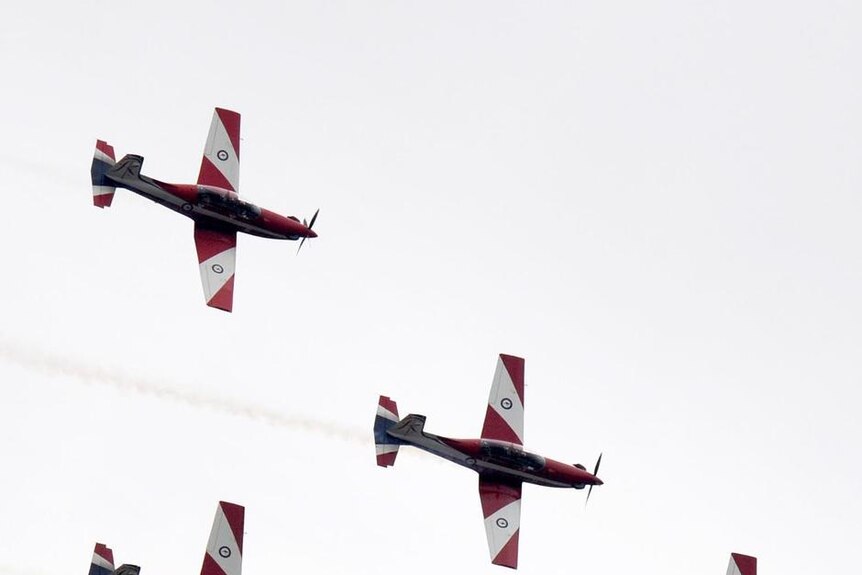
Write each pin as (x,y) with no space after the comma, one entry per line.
(220,164)
(504,418)
(217,260)
(742,565)
(501,507)
(224,548)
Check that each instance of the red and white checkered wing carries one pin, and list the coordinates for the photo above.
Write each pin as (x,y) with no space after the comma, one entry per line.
(224,549)
(501,507)
(217,260)
(742,565)
(504,418)
(220,165)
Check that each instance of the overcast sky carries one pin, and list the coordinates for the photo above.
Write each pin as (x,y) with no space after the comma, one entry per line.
(657,204)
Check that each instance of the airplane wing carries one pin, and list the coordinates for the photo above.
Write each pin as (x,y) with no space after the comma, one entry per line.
(220,164)
(504,418)
(103,560)
(501,507)
(224,548)
(742,565)
(217,260)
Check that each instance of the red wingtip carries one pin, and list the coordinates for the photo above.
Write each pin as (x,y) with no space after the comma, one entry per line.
(746,564)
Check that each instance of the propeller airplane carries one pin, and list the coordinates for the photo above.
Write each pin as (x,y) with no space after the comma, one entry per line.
(213,203)
(498,456)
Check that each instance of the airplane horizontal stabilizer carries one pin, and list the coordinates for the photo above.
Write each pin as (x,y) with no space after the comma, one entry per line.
(103,560)
(103,161)
(385,445)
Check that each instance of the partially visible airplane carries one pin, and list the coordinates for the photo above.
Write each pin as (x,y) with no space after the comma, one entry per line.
(498,456)
(213,203)
(224,548)
(742,565)
(103,563)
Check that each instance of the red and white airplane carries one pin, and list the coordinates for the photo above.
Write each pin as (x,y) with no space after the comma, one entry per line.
(103,563)
(742,565)
(224,549)
(498,456)
(213,203)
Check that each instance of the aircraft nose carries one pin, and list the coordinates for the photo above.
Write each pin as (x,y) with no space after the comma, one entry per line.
(311,233)
(599,481)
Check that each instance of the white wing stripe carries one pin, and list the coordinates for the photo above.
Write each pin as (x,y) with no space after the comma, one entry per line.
(102,562)
(501,526)
(383,449)
(102,190)
(223,547)
(385,413)
(216,271)
(220,152)
(100,155)
(505,400)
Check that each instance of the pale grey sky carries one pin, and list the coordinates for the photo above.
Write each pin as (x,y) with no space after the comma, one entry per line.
(656,204)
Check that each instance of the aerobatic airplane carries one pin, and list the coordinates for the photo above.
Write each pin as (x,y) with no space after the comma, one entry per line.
(742,565)
(213,203)
(498,456)
(224,548)
(103,563)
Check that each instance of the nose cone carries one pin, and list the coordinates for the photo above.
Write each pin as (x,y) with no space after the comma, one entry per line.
(311,233)
(599,482)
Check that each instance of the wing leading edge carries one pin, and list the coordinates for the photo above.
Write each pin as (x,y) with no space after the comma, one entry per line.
(217,261)
(501,508)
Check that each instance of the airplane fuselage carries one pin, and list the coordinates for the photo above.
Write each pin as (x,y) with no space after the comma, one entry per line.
(499,459)
(214,207)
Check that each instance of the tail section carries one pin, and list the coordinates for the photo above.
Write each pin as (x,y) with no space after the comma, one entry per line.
(387,446)
(103,560)
(742,565)
(103,160)
(224,549)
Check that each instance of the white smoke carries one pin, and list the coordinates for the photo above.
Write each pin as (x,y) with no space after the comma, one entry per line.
(51,364)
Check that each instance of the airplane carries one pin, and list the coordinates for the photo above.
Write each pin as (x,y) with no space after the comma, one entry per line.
(103,563)
(223,554)
(498,456)
(213,203)
(742,565)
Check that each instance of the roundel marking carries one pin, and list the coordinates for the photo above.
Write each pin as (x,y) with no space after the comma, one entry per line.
(187,207)
(502,523)
(222,155)
(224,551)
(506,403)
(217,268)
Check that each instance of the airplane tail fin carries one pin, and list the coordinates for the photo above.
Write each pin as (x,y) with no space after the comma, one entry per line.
(103,560)
(103,160)
(224,549)
(386,446)
(742,565)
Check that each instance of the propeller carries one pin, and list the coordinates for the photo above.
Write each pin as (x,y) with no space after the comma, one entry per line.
(309,225)
(595,473)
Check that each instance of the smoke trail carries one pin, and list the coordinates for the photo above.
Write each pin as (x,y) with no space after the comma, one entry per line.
(56,365)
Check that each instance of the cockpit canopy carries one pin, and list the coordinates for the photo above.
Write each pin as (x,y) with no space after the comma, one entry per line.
(511,455)
(227,203)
